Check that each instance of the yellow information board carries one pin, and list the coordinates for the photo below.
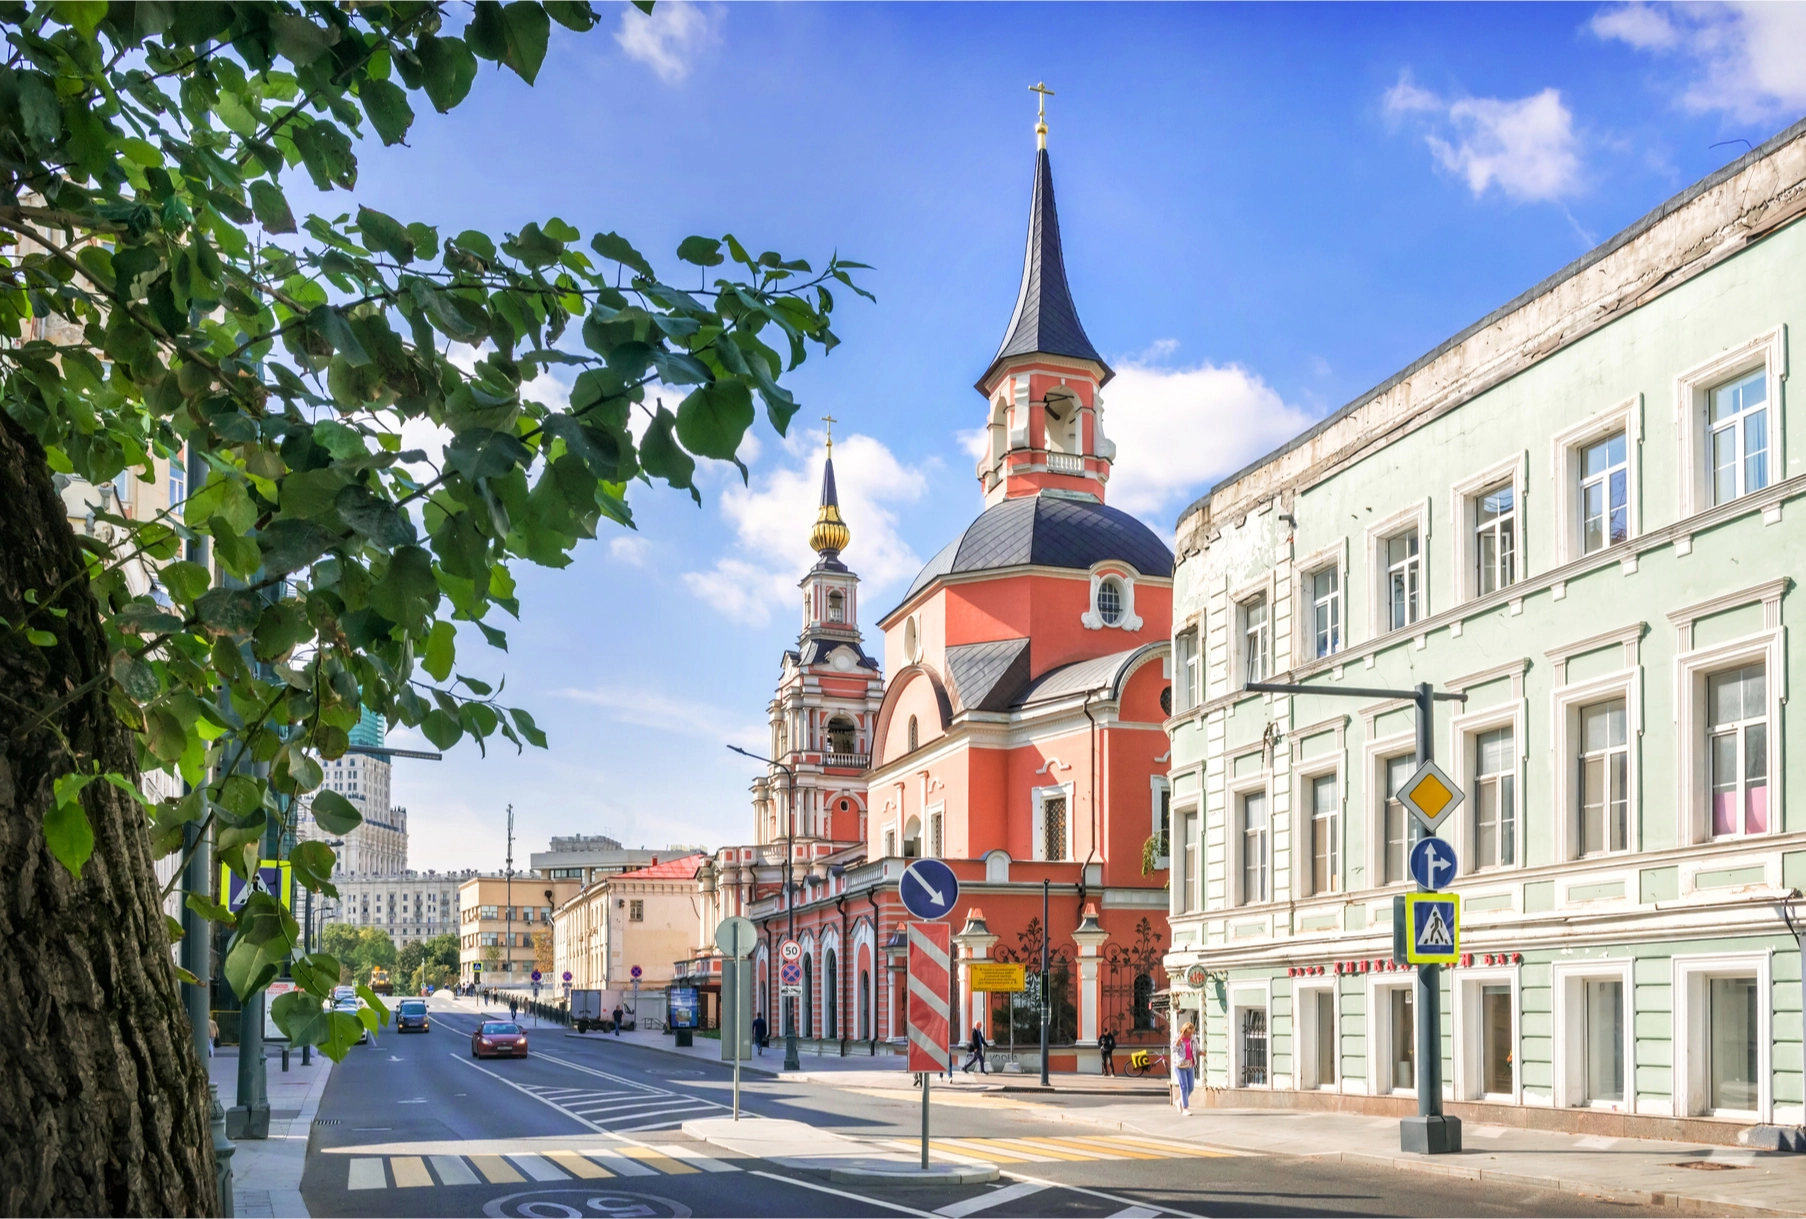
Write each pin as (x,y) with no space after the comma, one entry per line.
(996,977)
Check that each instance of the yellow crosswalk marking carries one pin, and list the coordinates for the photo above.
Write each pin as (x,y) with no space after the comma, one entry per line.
(578,1166)
(410,1171)
(658,1160)
(1037,1146)
(496,1169)
(1096,1145)
(973,1150)
(1174,1149)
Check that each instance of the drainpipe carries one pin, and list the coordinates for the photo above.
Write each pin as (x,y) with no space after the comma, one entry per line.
(1092,746)
(872,999)
(840,904)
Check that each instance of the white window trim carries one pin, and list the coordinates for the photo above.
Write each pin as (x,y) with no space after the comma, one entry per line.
(1241,999)
(1156,785)
(1565,704)
(1124,576)
(1565,448)
(1259,783)
(1304,616)
(1238,642)
(1195,694)
(1470,1035)
(1041,795)
(1187,898)
(1304,1033)
(1304,800)
(1689,973)
(1570,1011)
(1463,730)
(1461,510)
(936,813)
(1767,351)
(1374,756)
(1379,1039)
(1416,517)
(1692,666)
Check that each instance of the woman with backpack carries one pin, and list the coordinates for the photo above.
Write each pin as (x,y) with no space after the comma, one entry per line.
(1185,1065)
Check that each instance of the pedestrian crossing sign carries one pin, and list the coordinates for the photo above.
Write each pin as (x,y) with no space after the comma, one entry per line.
(1434,923)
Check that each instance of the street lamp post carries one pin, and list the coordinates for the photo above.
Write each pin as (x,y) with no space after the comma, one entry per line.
(1430,1132)
(791,1061)
(307,947)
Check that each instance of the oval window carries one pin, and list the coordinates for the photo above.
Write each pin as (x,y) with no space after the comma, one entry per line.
(912,643)
(1109,602)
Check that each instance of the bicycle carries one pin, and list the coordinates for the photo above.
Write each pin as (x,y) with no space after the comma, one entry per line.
(1147,1062)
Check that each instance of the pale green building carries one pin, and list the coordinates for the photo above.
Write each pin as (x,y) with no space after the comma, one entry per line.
(1587,512)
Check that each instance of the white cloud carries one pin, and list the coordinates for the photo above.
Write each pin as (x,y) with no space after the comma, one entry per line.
(1746,56)
(649,709)
(667,39)
(1176,430)
(630,549)
(1526,147)
(772,516)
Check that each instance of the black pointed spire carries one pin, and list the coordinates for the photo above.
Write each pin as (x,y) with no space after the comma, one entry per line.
(1045,321)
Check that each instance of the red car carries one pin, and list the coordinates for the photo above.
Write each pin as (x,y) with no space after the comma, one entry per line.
(498,1039)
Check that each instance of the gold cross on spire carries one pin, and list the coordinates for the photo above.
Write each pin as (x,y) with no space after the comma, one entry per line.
(830,421)
(1041,115)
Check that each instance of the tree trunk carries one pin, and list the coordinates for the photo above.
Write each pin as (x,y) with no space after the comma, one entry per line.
(103,1098)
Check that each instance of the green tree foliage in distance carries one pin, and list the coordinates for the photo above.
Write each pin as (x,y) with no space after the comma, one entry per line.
(159,295)
(358,950)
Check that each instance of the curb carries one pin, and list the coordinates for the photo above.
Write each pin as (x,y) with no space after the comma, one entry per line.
(952,1174)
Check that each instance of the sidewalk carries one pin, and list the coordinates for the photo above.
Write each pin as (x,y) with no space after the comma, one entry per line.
(1684,1176)
(266,1173)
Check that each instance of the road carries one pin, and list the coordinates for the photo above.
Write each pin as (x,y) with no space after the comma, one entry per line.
(410,1125)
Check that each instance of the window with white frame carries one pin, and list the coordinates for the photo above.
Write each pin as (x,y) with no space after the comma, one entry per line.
(1604,779)
(890,843)
(1315,1013)
(1163,817)
(1054,824)
(1257,640)
(1601,1040)
(1495,798)
(936,841)
(1109,601)
(178,476)
(1737,750)
(1404,579)
(1495,521)
(1731,1038)
(1187,663)
(1325,589)
(1325,834)
(1398,828)
(1604,500)
(1257,845)
(1189,878)
(1737,445)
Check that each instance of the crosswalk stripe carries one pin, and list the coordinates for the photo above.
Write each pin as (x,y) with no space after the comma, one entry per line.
(1135,1212)
(1058,1153)
(577,1166)
(1170,1148)
(452,1171)
(706,1163)
(985,1202)
(497,1170)
(538,1168)
(410,1172)
(973,1151)
(621,1164)
(1075,1143)
(658,1160)
(367,1174)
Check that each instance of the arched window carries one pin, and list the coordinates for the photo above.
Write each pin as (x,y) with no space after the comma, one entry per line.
(830,996)
(912,839)
(1143,1011)
(837,606)
(914,734)
(1109,601)
(842,736)
(865,1005)
(808,995)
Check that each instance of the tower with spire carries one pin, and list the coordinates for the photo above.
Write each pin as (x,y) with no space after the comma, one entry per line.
(1044,427)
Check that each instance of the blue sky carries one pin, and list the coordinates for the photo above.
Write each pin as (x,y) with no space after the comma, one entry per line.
(1266,211)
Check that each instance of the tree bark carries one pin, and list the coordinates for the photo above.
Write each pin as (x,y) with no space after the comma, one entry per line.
(103,1098)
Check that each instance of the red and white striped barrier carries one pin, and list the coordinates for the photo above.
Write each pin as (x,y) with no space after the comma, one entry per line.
(930,975)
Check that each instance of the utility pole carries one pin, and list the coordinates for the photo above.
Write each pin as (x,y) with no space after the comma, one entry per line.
(1046,991)
(1430,1132)
(509,967)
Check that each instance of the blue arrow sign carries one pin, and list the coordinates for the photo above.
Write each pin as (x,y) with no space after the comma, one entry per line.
(929,889)
(1432,863)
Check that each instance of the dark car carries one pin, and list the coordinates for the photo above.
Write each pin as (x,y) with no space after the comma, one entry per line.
(410,1014)
(498,1039)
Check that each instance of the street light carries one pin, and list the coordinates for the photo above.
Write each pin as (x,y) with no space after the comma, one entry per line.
(307,947)
(791,1061)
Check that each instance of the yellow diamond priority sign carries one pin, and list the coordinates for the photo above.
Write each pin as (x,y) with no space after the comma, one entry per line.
(1430,795)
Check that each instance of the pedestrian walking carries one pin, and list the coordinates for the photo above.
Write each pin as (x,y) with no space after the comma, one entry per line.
(1185,1065)
(760,1029)
(618,1015)
(977,1046)
(513,1008)
(1106,1049)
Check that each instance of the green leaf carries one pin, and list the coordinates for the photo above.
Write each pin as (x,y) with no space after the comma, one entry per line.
(703,251)
(407,592)
(441,650)
(441,729)
(330,324)
(387,105)
(212,911)
(617,248)
(326,151)
(165,734)
(185,581)
(572,14)
(514,35)
(68,834)
(136,678)
(713,420)
(43,639)
(229,611)
(271,208)
(334,813)
(528,728)
(662,457)
(301,1018)
(479,453)
(385,235)
(313,863)
(291,545)
(449,69)
(376,518)
(248,969)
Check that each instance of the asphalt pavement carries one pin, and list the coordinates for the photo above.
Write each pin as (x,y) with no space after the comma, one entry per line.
(589,1126)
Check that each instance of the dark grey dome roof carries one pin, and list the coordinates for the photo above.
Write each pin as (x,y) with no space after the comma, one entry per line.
(1048,531)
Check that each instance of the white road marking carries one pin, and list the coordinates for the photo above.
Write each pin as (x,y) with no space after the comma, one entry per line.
(841,1193)
(984,1202)
(1098,1193)
(539,1168)
(706,1163)
(1135,1212)
(525,1092)
(367,1173)
(453,1170)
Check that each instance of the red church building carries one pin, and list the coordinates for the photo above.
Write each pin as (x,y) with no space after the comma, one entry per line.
(1019,735)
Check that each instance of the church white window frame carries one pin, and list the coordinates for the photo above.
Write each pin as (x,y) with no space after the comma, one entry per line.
(1693,388)
(1692,667)
(1567,451)
(1465,505)
(1120,578)
(1693,974)
(1041,796)
(1567,701)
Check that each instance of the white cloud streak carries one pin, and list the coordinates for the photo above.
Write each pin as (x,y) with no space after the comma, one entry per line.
(688,718)
(667,39)
(1526,147)
(1746,57)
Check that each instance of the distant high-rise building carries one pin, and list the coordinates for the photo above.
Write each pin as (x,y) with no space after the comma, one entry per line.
(380,845)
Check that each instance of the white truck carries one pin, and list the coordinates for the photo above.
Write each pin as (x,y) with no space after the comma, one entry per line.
(586,1010)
